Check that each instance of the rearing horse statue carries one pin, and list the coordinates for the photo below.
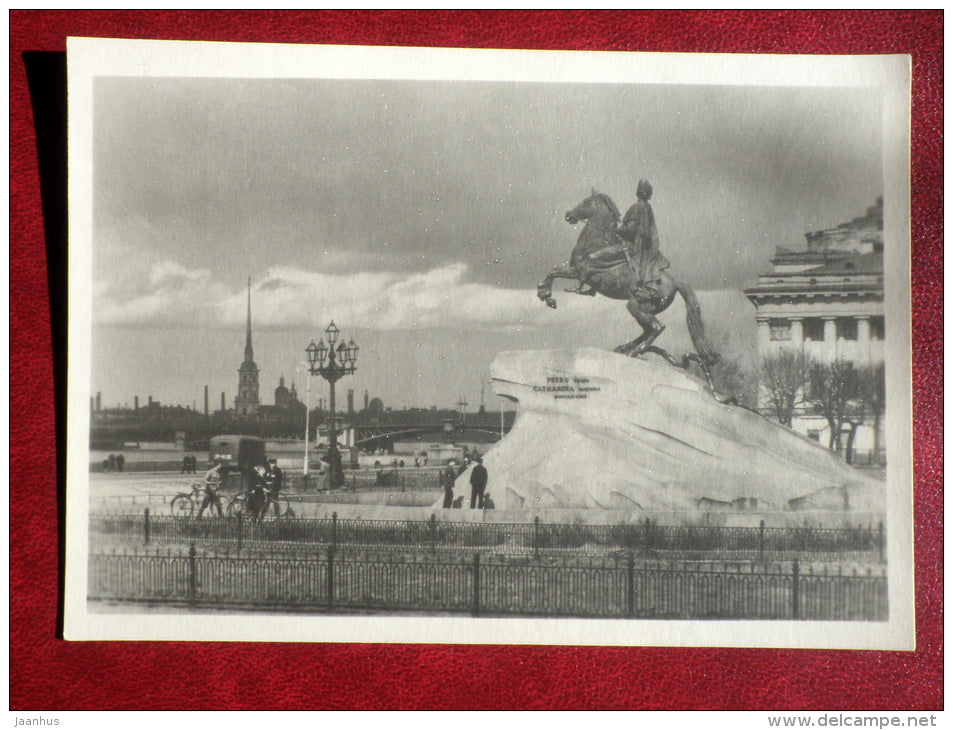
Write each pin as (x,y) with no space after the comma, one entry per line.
(599,262)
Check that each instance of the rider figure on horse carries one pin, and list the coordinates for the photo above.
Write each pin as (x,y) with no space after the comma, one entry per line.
(623,262)
(641,244)
(636,239)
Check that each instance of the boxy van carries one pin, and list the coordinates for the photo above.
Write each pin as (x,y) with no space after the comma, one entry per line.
(237,453)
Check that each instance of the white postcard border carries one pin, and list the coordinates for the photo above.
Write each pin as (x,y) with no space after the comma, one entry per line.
(88,58)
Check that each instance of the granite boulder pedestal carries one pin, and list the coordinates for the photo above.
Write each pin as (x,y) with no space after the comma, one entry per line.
(597,430)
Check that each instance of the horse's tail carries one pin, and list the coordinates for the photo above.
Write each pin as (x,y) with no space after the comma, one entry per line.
(696,328)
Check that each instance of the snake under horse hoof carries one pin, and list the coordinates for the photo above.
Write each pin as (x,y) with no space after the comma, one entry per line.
(545,293)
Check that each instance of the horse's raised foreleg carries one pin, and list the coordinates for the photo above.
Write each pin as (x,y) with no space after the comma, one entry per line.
(651,329)
(545,290)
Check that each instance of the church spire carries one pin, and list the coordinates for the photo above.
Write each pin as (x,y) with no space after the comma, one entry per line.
(249,353)
(247,400)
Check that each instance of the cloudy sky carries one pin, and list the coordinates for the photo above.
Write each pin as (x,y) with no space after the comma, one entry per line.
(420,216)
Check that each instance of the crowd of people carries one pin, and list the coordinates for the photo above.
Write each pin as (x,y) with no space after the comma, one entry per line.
(264,481)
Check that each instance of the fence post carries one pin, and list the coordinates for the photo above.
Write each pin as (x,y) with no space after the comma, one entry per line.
(433,532)
(880,541)
(331,577)
(794,591)
(145,526)
(761,542)
(536,535)
(192,572)
(630,587)
(334,529)
(239,531)
(476,584)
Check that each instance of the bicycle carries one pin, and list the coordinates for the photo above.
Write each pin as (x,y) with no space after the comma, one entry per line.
(184,504)
(238,505)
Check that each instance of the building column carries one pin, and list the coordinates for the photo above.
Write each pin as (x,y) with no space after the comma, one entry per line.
(863,339)
(830,337)
(764,336)
(797,333)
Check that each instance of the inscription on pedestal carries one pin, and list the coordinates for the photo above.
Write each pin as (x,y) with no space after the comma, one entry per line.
(564,388)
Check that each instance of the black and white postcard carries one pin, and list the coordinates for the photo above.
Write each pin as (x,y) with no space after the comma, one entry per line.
(467,346)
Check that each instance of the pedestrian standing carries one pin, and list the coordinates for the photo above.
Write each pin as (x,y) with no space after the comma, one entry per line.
(273,481)
(478,480)
(447,478)
(257,492)
(210,498)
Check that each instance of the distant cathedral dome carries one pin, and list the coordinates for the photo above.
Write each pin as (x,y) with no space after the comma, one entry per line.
(376,406)
(282,395)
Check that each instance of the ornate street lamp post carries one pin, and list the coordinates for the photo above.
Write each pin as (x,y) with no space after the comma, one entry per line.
(340,360)
(307,416)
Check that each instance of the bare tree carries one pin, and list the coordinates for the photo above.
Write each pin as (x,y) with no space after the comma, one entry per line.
(732,376)
(784,377)
(834,392)
(872,393)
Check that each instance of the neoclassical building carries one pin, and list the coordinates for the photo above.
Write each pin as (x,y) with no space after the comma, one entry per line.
(247,401)
(827,301)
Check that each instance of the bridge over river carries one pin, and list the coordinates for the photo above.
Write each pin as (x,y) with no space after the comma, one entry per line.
(375,435)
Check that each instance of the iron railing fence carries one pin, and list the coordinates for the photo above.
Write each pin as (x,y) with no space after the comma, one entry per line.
(115,502)
(125,504)
(486,585)
(861,543)
(391,478)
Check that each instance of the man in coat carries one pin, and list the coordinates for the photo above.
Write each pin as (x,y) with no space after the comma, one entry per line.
(478,479)
(273,483)
(642,244)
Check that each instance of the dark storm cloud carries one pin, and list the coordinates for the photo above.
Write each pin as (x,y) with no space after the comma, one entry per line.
(399,175)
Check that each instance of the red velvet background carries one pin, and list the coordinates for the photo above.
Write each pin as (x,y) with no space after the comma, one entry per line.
(48,673)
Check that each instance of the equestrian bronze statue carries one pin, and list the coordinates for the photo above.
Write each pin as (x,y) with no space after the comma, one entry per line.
(624,262)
